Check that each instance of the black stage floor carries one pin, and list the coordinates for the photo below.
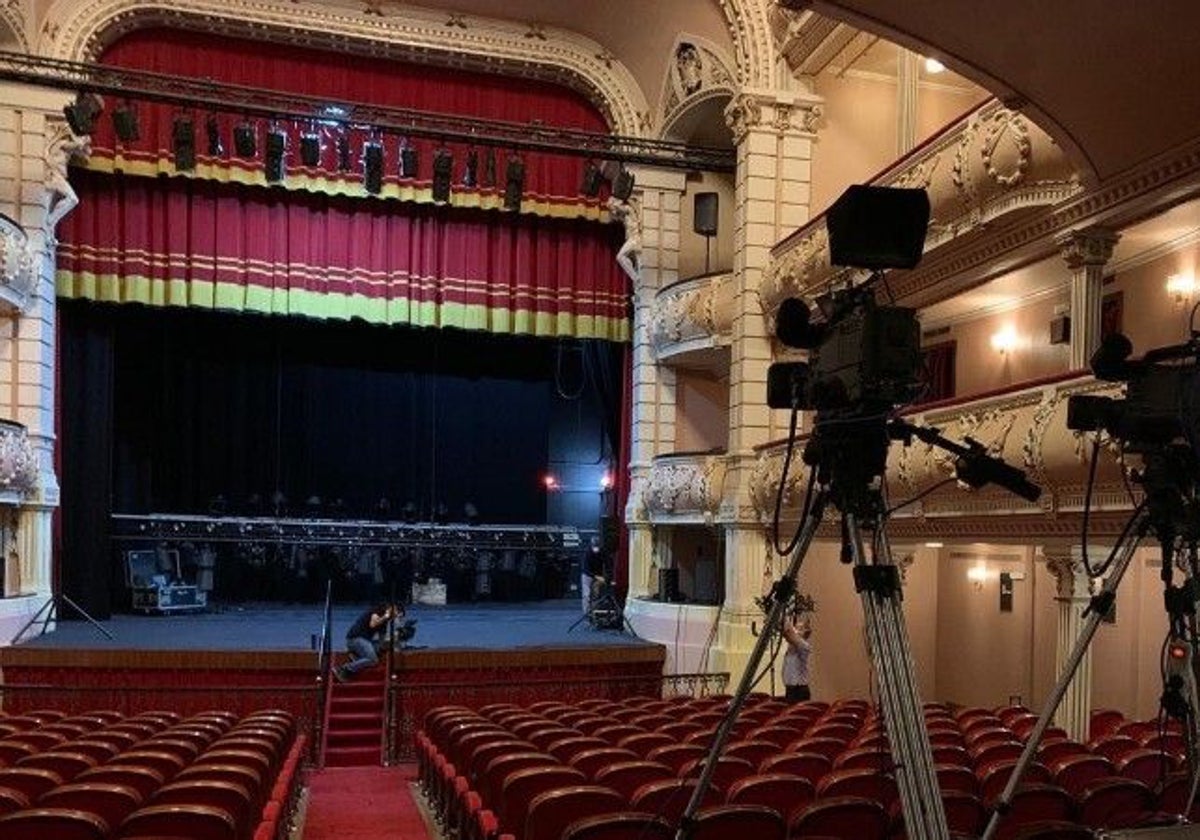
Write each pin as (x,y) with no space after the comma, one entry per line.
(280,627)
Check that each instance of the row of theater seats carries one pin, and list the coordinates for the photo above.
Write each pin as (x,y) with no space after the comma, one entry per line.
(101,774)
(602,770)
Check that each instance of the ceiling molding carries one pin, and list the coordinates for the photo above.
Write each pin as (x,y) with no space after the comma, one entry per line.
(77,30)
(1156,252)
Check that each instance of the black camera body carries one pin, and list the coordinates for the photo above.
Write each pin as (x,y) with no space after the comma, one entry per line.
(1159,405)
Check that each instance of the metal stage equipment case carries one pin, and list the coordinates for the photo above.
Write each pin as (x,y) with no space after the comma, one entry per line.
(156,585)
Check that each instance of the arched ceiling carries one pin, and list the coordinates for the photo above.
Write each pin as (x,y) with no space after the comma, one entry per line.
(1113,83)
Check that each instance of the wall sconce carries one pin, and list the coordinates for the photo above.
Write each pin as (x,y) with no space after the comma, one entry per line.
(978,574)
(932,65)
(1005,340)
(1182,286)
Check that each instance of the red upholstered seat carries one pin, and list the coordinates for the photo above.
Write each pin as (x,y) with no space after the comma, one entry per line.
(112,803)
(625,825)
(168,764)
(994,752)
(1035,803)
(551,812)
(1143,765)
(1054,830)
(245,757)
(52,824)
(677,756)
(870,758)
(247,777)
(589,762)
(497,770)
(67,730)
(840,816)
(30,781)
(66,764)
(1054,751)
(810,766)
(679,732)
(777,734)
(543,738)
(669,797)
(46,715)
(625,777)
(1104,722)
(952,755)
(843,733)
(519,789)
(728,770)
(831,748)
(643,742)
(39,739)
(1075,772)
(965,813)
(11,752)
(1138,729)
(566,748)
(863,783)
(230,797)
(100,751)
(1114,803)
(738,822)
(144,780)
(953,777)
(754,751)
(784,793)
(484,753)
(993,780)
(1172,798)
(1113,747)
(195,822)
(12,800)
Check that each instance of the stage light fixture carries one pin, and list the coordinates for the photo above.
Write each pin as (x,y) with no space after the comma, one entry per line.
(489,169)
(245,140)
(125,123)
(471,173)
(514,183)
(81,114)
(443,169)
(408,160)
(183,136)
(276,148)
(592,178)
(212,127)
(343,153)
(622,185)
(310,149)
(373,167)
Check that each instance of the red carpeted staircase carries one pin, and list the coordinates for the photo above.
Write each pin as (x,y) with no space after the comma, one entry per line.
(354,733)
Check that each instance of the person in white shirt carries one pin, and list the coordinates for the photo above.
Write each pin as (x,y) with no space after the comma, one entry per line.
(795,660)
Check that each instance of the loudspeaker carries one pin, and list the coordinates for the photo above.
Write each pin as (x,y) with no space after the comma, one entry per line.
(589,185)
(81,114)
(276,145)
(622,185)
(443,169)
(1060,330)
(704,221)
(245,143)
(183,136)
(878,227)
(668,586)
(408,162)
(373,167)
(310,150)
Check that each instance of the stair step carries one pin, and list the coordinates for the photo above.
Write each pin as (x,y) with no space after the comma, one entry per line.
(356,719)
(353,756)
(356,706)
(371,735)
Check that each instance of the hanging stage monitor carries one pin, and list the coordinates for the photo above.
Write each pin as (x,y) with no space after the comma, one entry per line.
(878,227)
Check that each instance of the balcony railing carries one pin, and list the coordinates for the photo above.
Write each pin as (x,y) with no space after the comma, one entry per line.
(685,487)
(17,270)
(1026,426)
(18,462)
(692,317)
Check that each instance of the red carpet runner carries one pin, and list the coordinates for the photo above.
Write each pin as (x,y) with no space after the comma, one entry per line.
(355,734)
(363,803)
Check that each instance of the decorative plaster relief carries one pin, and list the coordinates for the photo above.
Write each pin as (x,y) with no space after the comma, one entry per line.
(691,311)
(992,163)
(684,485)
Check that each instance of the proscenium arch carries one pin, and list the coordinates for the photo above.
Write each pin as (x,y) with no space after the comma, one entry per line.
(85,27)
(754,48)
(12,28)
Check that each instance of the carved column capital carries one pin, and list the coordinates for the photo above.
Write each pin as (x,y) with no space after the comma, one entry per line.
(789,114)
(1070,576)
(1087,247)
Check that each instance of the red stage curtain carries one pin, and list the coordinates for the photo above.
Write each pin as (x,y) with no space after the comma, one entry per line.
(182,242)
(551,182)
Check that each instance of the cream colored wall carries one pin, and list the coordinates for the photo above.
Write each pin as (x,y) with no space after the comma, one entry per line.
(691,244)
(701,413)
(857,137)
(979,368)
(1152,317)
(984,656)
(938,106)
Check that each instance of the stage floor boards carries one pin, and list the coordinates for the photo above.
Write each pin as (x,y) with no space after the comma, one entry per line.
(280,627)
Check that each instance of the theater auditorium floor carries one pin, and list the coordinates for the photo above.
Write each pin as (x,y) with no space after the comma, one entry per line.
(282,627)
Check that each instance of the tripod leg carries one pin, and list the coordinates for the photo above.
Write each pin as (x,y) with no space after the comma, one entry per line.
(37,616)
(1056,694)
(878,584)
(84,614)
(773,621)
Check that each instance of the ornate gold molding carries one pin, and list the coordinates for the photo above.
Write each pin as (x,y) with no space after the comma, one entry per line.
(684,487)
(700,71)
(78,29)
(754,47)
(779,113)
(691,313)
(991,164)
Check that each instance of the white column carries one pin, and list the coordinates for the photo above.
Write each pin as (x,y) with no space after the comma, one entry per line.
(1073,593)
(908,77)
(774,133)
(1086,252)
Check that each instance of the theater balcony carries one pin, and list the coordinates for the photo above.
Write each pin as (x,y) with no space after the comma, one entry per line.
(17,272)
(1026,426)
(691,322)
(22,591)
(685,487)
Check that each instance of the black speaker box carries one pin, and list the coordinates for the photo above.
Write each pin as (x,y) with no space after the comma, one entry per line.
(622,185)
(373,167)
(878,227)
(704,221)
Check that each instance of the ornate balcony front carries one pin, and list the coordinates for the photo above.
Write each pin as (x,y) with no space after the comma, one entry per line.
(16,265)
(992,165)
(684,488)
(18,463)
(692,321)
(1026,427)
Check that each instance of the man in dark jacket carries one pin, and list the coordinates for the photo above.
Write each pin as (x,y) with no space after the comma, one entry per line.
(362,639)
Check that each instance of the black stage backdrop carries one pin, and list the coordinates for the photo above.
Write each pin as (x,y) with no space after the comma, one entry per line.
(165,410)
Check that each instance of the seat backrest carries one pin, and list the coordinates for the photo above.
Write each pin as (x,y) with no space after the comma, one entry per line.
(737,822)
(228,796)
(965,813)
(496,770)
(865,783)
(1036,803)
(145,780)
(831,748)
(551,812)
(484,753)
(859,758)
(625,777)
(100,751)
(1075,772)
(728,770)
(668,797)
(991,752)
(566,748)
(168,764)
(1113,747)
(12,800)
(1143,765)
(810,766)
(56,823)
(196,822)
(643,742)
(784,793)
(543,738)
(66,764)
(30,781)
(1114,803)
(247,777)
(521,787)
(12,752)
(954,777)
(112,803)
(840,816)
(589,762)
(754,751)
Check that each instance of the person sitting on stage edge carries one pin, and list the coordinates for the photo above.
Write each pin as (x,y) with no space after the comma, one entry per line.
(795,660)
(365,637)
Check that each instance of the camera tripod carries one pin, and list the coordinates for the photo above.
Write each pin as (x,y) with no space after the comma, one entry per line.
(1171,512)
(849,456)
(604,611)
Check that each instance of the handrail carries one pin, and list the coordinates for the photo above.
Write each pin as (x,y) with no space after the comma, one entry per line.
(324,681)
(388,747)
